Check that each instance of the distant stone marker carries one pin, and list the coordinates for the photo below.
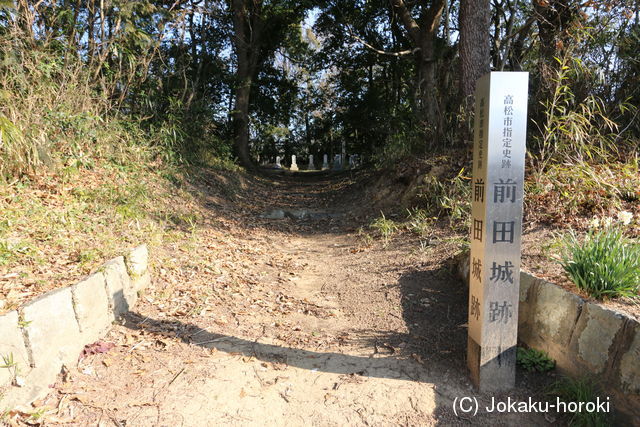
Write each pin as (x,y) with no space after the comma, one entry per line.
(353,161)
(294,165)
(325,162)
(496,227)
(278,165)
(311,165)
(337,162)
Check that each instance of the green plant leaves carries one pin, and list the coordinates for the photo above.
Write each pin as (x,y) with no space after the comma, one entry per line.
(605,264)
(385,227)
(534,360)
(580,390)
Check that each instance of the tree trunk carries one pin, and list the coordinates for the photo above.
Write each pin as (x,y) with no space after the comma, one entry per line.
(475,18)
(246,39)
(474,44)
(427,88)
(427,70)
(423,36)
(241,123)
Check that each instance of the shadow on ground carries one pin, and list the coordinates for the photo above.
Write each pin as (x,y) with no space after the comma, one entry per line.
(425,378)
(434,307)
(305,359)
(431,353)
(428,359)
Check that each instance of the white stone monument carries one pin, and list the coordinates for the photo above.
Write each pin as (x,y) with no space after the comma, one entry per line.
(294,165)
(278,165)
(325,162)
(496,227)
(311,166)
(337,162)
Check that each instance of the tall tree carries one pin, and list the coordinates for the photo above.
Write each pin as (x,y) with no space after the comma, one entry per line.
(474,20)
(247,38)
(260,28)
(422,32)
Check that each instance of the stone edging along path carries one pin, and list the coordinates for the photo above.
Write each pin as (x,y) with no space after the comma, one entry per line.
(584,338)
(37,339)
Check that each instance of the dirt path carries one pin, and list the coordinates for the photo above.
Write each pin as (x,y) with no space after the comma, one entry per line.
(292,321)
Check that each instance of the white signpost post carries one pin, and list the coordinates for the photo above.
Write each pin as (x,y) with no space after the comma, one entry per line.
(496,228)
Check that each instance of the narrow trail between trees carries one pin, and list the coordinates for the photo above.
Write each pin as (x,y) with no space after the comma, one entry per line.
(290,320)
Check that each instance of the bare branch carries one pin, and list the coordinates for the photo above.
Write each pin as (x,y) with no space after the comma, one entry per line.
(382,52)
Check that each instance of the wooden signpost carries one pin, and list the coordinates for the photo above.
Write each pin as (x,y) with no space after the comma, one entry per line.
(496,228)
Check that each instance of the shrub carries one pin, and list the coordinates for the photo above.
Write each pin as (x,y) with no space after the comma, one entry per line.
(534,360)
(566,192)
(385,227)
(605,264)
(419,221)
(452,198)
(574,127)
(579,390)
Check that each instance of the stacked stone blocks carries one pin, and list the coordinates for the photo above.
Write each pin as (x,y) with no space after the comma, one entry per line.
(584,338)
(40,337)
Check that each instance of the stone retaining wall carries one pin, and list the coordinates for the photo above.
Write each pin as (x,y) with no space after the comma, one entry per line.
(584,338)
(52,330)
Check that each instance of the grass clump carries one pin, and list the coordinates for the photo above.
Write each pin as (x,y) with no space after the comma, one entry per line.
(584,393)
(8,362)
(450,197)
(605,264)
(385,227)
(534,360)
(419,221)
